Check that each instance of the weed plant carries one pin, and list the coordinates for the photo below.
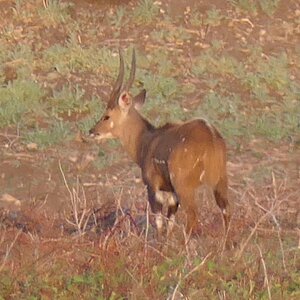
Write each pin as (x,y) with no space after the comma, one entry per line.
(57,133)
(146,12)
(20,100)
(55,12)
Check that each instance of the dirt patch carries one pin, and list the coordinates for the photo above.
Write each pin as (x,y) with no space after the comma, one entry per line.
(67,208)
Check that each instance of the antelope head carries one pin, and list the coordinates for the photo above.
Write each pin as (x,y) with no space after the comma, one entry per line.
(121,110)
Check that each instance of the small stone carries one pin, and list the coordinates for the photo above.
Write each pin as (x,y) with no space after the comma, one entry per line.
(137,180)
(53,76)
(32,146)
(9,201)
(262,32)
(73,158)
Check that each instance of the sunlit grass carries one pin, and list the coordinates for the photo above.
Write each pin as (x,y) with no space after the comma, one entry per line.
(57,133)
(68,100)
(249,92)
(20,100)
(55,12)
(145,12)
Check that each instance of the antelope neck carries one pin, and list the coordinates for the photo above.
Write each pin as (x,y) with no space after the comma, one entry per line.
(136,136)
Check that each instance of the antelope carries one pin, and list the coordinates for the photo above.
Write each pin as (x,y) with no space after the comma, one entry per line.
(175,159)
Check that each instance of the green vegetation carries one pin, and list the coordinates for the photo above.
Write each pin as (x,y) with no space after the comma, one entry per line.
(213,17)
(265,79)
(234,63)
(68,100)
(245,5)
(164,278)
(55,12)
(145,12)
(57,133)
(20,12)
(267,82)
(96,107)
(119,19)
(177,35)
(19,99)
(106,158)
(269,7)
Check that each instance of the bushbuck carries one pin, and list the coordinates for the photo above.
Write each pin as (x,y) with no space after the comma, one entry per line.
(175,159)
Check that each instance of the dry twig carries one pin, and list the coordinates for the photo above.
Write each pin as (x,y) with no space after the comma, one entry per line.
(266,282)
(8,250)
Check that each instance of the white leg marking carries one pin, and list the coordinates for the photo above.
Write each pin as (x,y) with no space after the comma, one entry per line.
(159,196)
(171,223)
(171,199)
(202,175)
(165,198)
(159,222)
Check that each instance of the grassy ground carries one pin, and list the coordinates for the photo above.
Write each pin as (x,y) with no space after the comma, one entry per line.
(74,218)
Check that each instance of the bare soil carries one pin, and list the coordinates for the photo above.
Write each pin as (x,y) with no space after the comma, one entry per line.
(38,218)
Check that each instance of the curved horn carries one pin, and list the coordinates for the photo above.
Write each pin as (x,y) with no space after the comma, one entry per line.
(132,72)
(119,82)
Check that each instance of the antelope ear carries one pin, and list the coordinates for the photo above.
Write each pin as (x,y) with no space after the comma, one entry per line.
(139,99)
(125,101)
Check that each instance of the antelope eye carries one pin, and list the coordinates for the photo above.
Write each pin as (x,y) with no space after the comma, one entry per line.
(105,118)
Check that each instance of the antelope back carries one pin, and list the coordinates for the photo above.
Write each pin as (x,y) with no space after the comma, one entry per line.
(120,113)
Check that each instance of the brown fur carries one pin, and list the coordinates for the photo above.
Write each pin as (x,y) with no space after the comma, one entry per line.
(180,158)
(175,158)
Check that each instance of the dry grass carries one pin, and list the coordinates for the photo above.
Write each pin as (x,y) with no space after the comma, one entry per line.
(262,261)
(84,228)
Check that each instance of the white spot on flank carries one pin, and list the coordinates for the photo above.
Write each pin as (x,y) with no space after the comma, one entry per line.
(196,162)
(111,125)
(202,175)
(183,139)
